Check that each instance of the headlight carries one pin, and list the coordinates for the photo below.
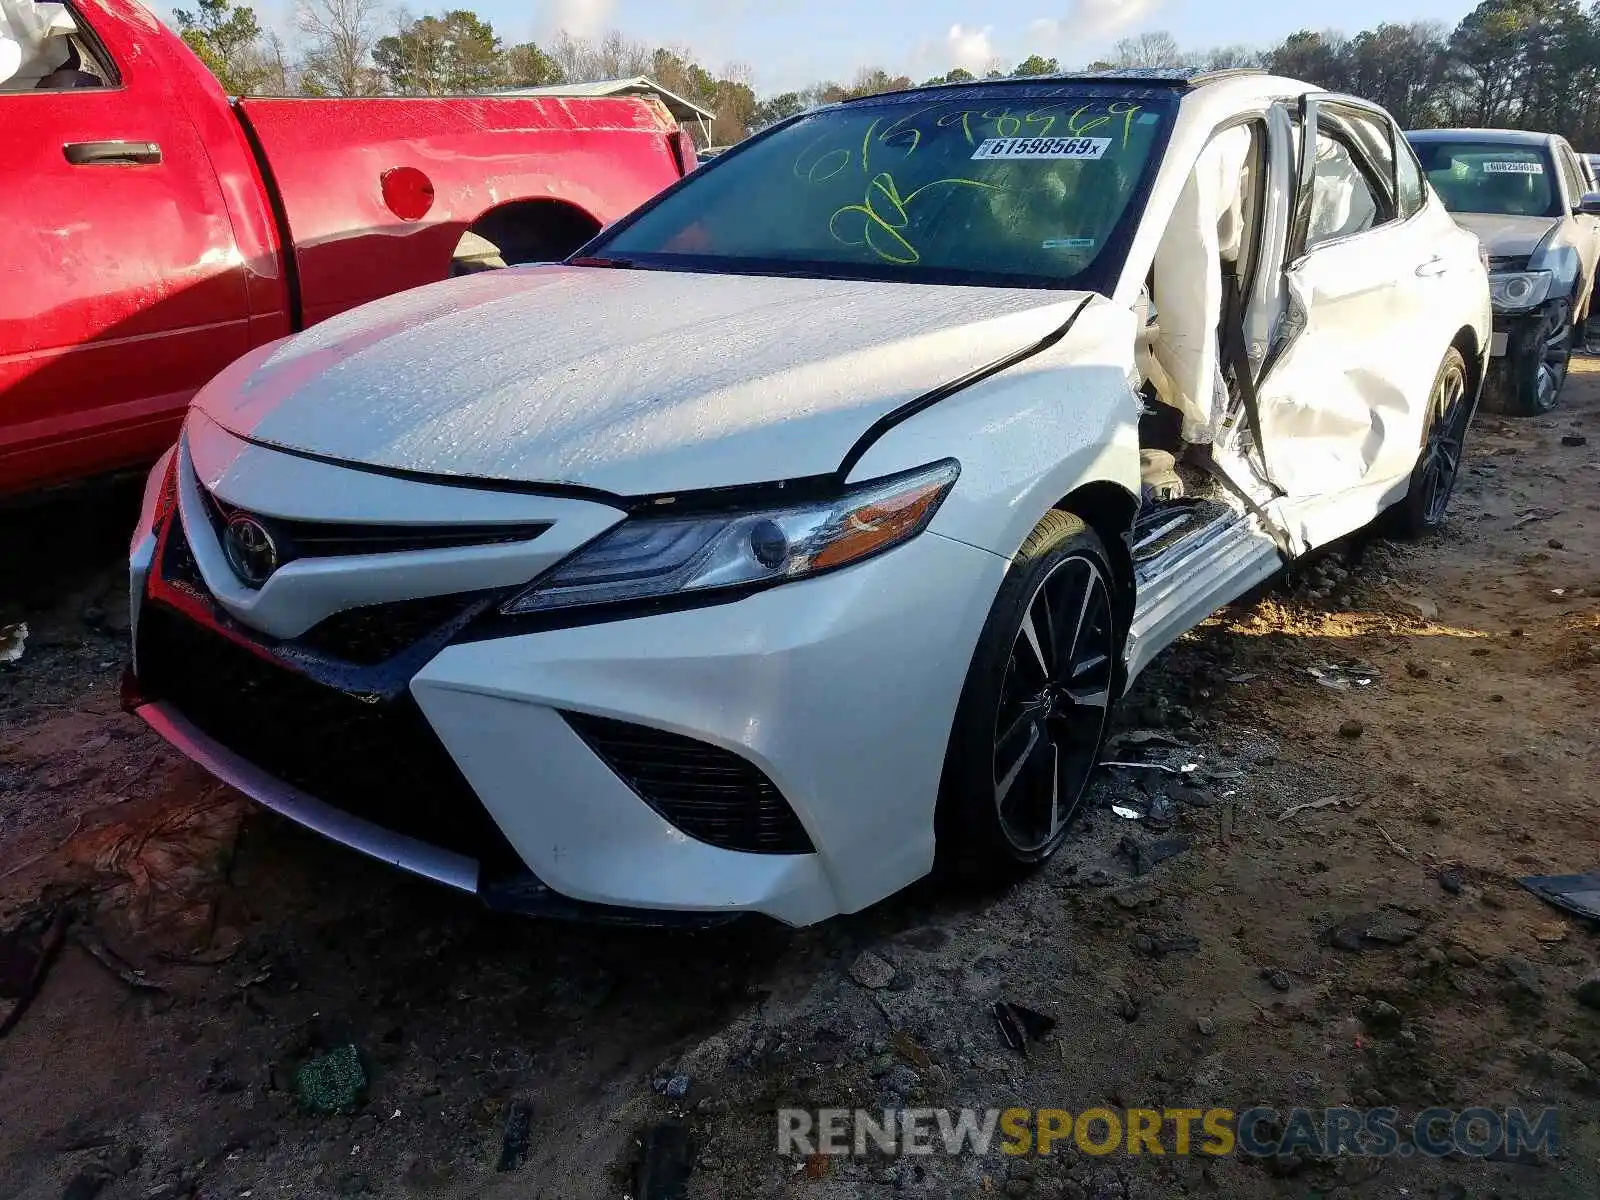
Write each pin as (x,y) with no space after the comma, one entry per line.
(1519,289)
(651,557)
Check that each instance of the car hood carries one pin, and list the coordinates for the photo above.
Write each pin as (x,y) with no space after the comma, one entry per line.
(1507,236)
(632,382)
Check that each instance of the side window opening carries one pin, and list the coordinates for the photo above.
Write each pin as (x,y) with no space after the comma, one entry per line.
(1354,184)
(1342,200)
(47,47)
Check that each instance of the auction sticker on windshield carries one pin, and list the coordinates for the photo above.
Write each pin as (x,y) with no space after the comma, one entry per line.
(1052,148)
(1513,168)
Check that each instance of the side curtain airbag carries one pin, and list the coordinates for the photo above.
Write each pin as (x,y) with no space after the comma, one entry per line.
(1207,225)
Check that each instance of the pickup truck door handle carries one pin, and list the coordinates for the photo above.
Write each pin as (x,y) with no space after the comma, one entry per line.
(112,154)
(1434,267)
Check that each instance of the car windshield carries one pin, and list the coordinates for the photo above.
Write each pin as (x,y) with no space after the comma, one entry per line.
(1485,177)
(1023,187)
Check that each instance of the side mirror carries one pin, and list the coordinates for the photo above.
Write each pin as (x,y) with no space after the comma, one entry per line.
(1589,206)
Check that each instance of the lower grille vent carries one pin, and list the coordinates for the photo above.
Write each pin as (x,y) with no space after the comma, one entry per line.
(711,794)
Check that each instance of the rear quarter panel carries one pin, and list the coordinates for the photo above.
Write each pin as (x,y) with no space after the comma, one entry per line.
(327,159)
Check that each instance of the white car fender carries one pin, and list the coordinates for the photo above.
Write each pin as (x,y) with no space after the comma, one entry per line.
(1029,435)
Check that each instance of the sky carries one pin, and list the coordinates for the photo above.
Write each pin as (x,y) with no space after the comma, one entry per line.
(790,44)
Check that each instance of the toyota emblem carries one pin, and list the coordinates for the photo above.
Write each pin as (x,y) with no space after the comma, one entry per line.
(251,552)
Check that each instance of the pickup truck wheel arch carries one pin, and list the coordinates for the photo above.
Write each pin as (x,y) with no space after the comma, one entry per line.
(523,231)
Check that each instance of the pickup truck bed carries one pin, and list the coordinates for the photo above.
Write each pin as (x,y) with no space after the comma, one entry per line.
(155,230)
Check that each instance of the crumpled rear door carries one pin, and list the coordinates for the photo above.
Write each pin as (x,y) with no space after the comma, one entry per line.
(1342,400)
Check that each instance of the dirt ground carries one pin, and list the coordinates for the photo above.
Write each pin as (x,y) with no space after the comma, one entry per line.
(208,950)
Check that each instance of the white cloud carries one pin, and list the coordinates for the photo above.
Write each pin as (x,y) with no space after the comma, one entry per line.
(970,48)
(1093,20)
(581,18)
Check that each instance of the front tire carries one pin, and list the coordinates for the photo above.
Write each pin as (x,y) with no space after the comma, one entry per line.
(1444,436)
(1033,713)
(1537,361)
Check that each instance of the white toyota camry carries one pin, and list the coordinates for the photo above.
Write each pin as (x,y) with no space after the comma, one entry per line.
(799,533)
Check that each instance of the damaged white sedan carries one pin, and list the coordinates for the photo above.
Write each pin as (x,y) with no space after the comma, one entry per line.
(799,534)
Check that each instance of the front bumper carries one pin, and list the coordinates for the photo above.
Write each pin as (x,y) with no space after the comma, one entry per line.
(1502,326)
(840,689)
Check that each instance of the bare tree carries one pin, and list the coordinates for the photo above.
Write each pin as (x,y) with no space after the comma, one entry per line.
(613,56)
(339,37)
(1154,49)
(735,104)
(278,77)
(1224,58)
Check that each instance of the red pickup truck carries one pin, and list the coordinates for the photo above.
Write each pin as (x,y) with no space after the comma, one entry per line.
(152,230)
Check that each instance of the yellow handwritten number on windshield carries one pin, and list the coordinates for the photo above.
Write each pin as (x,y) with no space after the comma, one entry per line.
(886,214)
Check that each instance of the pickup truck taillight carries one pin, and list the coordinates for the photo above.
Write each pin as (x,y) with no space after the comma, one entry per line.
(683,150)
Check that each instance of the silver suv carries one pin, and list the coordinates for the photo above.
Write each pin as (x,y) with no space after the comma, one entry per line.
(1532,202)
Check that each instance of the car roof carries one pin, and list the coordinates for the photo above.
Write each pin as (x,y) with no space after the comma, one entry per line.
(1177,80)
(1183,77)
(1498,137)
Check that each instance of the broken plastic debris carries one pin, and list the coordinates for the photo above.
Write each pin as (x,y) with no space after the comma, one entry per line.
(12,639)
(1161,814)
(674,1087)
(1146,857)
(1534,514)
(1126,813)
(1342,678)
(1143,737)
(1020,1025)
(1132,766)
(1578,894)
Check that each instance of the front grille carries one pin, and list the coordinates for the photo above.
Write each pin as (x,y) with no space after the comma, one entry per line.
(328,539)
(711,794)
(178,566)
(375,759)
(1508,262)
(376,633)
(365,636)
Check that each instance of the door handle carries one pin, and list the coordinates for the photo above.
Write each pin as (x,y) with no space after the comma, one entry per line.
(112,154)
(1433,268)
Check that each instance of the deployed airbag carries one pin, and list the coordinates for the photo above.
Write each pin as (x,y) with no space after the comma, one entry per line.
(1206,228)
(33,41)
